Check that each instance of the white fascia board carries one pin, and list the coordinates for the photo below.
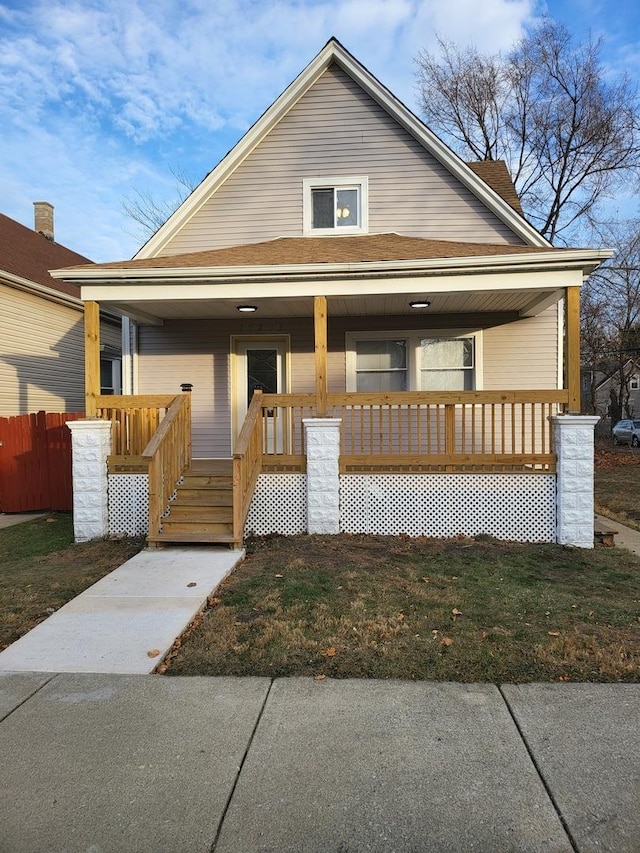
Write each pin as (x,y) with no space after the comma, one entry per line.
(335,52)
(252,290)
(578,259)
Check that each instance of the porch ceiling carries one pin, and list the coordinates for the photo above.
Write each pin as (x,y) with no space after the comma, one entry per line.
(525,302)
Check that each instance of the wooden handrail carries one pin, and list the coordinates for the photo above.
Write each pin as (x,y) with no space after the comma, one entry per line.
(168,453)
(247,465)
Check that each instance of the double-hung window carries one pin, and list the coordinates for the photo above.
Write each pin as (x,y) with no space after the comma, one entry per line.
(413,361)
(335,206)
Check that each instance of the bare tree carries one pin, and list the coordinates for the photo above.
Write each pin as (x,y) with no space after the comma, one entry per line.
(149,212)
(611,316)
(569,133)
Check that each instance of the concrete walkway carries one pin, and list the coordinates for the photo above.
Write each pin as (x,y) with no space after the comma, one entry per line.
(625,537)
(128,620)
(126,763)
(13,518)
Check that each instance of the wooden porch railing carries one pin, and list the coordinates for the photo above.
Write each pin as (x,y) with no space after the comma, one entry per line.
(134,419)
(168,454)
(247,464)
(437,431)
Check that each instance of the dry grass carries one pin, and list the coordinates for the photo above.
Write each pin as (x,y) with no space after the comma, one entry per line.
(393,607)
(617,483)
(41,569)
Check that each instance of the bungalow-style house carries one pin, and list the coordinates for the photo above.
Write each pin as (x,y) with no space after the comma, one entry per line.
(344,328)
(41,324)
(598,385)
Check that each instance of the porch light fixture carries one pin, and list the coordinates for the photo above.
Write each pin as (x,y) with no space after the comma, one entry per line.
(247,309)
(420,303)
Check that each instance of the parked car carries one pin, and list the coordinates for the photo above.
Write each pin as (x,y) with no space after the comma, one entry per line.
(627,432)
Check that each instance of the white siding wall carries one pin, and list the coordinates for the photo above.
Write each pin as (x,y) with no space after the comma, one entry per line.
(337,129)
(41,355)
(198,352)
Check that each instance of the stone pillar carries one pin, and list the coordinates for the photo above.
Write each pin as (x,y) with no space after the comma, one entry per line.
(91,444)
(573,445)
(323,482)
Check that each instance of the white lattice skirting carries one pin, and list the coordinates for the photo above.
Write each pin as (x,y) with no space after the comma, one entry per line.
(128,504)
(279,505)
(507,506)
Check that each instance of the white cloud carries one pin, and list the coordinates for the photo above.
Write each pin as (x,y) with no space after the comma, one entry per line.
(100,96)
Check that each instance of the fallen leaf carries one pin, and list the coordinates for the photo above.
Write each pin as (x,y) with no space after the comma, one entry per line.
(279,576)
(446,642)
(400,616)
(426,580)
(213,601)
(319,677)
(329,653)
(564,678)
(553,633)
(153,653)
(193,583)
(51,521)
(455,612)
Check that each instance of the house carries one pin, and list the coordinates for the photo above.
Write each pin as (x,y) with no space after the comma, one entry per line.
(344,328)
(601,390)
(41,324)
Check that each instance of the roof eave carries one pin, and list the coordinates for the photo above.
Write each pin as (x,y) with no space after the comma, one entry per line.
(583,259)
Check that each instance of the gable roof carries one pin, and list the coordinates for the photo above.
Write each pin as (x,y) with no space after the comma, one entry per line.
(334,52)
(26,257)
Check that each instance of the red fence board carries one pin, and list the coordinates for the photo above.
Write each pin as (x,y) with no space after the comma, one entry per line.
(35,462)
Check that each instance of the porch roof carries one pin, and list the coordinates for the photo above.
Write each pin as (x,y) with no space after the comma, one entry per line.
(367,274)
(303,252)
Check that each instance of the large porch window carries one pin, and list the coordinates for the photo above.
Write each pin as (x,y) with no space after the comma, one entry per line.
(418,361)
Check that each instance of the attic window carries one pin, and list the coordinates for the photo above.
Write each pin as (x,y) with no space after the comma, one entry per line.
(335,206)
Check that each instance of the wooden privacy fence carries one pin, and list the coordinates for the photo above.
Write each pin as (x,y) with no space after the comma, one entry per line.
(35,462)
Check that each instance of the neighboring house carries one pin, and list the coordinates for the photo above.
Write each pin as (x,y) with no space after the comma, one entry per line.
(403,321)
(606,379)
(41,324)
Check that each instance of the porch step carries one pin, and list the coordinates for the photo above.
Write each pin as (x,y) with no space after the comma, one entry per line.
(195,525)
(201,512)
(206,481)
(204,496)
(195,538)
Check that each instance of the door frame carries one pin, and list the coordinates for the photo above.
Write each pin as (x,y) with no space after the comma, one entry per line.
(238,382)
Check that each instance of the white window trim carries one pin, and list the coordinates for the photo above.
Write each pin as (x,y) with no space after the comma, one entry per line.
(360,182)
(413,351)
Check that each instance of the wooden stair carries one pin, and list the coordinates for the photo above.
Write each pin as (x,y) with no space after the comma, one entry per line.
(202,510)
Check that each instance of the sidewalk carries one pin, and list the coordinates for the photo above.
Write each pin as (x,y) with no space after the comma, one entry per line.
(125,763)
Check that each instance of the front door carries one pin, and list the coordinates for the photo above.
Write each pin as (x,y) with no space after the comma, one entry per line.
(261,364)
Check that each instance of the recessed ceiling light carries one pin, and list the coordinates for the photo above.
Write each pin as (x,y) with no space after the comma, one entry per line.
(247,309)
(420,303)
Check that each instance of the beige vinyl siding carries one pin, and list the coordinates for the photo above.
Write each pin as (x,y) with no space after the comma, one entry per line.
(522,355)
(110,335)
(198,351)
(41,355)
(336,129)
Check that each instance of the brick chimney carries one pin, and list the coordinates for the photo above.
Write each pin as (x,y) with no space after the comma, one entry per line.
(43,219)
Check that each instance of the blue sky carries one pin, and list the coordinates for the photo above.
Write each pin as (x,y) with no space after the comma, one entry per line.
(99,98)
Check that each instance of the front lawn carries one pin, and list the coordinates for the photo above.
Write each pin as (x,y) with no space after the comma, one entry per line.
(617,483)
(41,569)
(394,607)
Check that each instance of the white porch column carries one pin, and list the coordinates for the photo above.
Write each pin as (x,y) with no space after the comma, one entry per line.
(573,444)
(90,446)
(323,482)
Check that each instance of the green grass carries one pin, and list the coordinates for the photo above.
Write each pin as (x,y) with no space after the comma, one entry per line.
(41,569)
(394,607)
(617,493)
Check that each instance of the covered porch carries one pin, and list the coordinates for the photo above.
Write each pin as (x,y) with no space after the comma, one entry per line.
(420,386)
